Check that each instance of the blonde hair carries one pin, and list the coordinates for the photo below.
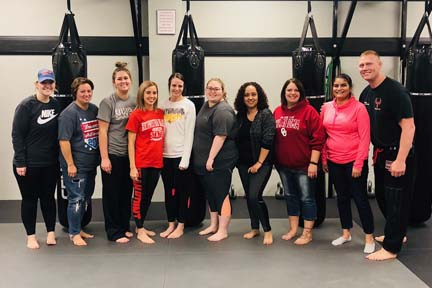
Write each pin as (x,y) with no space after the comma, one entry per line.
(370,52)
(140,96)
(216,79)
(121,66)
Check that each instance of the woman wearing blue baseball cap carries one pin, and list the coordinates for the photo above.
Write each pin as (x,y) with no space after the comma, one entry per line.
(35,162)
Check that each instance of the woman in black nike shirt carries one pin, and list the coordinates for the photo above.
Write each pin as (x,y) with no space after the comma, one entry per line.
(35,164)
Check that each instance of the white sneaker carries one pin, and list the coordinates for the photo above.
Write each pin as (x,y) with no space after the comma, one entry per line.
(341,240)
(369,248)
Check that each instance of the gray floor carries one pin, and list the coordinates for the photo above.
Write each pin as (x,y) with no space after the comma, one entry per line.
(194,262)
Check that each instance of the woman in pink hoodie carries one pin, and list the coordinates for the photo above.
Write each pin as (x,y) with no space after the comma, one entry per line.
(345,157)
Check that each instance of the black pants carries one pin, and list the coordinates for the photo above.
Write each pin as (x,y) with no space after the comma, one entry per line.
(176,189)
(253,185)
(348,187)
(116,197)
(38,183)
(393,195)
(216,185)
(143,193)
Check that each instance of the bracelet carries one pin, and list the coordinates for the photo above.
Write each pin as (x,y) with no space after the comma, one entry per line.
(260,162)
(313,163)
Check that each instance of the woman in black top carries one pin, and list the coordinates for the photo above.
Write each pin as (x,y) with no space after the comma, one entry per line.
(35,164)
(255,140)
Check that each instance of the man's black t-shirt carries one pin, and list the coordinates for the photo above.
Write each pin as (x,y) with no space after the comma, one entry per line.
(387,104)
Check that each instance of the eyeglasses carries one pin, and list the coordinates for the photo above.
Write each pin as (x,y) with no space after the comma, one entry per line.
(214,89)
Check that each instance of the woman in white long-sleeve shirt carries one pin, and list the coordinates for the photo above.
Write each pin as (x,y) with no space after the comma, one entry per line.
(179,116)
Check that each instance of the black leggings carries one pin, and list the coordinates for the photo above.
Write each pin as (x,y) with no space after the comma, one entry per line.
(143,193)
(216,185)
(253,185)
(176,189)
(116,197)
(38,183)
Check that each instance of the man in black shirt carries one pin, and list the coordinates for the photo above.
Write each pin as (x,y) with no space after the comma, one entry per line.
(392,133)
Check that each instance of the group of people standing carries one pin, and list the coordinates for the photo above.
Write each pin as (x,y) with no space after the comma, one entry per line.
(137,140)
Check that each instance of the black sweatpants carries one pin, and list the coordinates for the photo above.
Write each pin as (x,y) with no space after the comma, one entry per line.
(116,197)
(143,193)
(38,183)
(393,195)
(176,189)
(253,185)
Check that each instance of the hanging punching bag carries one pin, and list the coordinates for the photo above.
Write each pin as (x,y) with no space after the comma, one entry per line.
(309,65)
(419,83)
(69,61)
(188,59)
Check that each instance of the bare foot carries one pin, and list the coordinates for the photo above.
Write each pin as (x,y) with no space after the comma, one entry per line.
(253,233)
(304,239)
(144,237)
(86,235)
(122,240)
(51,239)
(381,239)
(177,233)
(268,238)
(128,234)
(290,235)
(78,240)
(168,231)
(381,255)
(208,230)
(218,236)
(148,232)
(32,242)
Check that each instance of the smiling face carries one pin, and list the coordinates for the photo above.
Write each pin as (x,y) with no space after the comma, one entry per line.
(370,67)
(341,90)
(292,94)
(84,94)
(150,97)
(122,82)
(176,89)
(45,88)
(250,97)
(214,92)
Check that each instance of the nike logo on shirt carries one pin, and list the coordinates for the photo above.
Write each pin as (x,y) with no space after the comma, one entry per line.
(46,116)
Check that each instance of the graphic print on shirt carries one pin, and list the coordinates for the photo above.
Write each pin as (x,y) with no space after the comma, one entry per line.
(90,130)
(157,128)
(46,116)
(122,113)
(287,122)
(172,115)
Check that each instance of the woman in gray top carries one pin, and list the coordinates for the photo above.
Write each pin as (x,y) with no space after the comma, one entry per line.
(117,186)
(215,155)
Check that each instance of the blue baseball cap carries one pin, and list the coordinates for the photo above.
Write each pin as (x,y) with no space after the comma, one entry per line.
(45,74)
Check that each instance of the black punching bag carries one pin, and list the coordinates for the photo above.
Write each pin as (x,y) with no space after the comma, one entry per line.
(309,64)
(419,83)
(69,61)
(188,59)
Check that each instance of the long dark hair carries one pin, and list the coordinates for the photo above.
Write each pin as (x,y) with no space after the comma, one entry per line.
(239,104)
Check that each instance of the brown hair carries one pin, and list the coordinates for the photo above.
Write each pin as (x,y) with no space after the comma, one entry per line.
(140,96)
(299,86)
(121,66)
(78,82)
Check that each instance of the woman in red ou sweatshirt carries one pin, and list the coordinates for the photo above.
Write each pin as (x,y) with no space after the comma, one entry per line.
(345,155)
(298,143)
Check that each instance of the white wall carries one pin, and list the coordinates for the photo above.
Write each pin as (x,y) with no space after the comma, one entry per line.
(212,19)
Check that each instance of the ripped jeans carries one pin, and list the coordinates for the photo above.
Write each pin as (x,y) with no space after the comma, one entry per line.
(79,190)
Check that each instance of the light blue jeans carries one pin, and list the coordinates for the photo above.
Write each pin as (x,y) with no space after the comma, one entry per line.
(299,192)
(79,191)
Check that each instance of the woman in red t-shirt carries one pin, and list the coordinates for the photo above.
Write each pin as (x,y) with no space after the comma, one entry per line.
(145,146)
